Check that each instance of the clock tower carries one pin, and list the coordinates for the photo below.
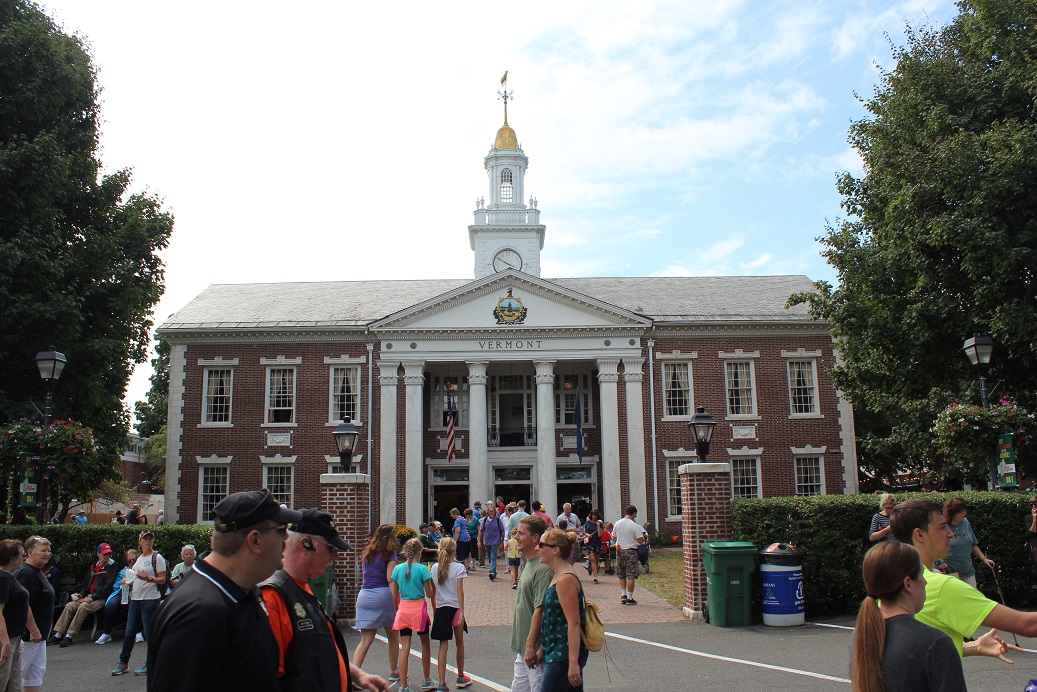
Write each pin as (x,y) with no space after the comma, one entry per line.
(507,234)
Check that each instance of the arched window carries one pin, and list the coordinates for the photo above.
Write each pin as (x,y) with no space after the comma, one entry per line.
(506,190)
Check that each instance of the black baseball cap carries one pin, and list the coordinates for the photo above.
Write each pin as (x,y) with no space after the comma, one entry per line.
(314,522)
(244,510)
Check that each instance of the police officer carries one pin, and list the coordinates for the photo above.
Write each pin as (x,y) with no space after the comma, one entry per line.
(313,654)
(213,633)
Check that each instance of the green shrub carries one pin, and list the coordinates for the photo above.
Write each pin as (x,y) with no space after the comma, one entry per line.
(830,531)
(75,546)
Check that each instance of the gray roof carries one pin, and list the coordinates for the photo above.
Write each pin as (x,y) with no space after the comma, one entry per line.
(357,303)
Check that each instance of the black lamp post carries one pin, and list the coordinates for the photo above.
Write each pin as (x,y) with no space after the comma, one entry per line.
(701,426)
(51,363)
(346,436)
(979,349)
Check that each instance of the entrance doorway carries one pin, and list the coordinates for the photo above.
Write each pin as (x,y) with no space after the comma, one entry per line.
(581,495)
(445,498)
(512,492)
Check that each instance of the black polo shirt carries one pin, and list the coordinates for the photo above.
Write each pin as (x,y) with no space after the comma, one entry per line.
(41,597)
(210,634)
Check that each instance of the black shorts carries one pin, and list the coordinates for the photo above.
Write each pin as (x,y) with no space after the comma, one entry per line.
(462,550)
(443,623)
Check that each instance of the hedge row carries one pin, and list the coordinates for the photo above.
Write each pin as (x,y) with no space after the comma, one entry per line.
(830,531)
(75,546)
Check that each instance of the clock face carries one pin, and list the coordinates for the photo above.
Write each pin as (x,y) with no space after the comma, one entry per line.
(507,259)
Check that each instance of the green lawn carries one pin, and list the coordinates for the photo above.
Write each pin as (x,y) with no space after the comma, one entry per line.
(666,578)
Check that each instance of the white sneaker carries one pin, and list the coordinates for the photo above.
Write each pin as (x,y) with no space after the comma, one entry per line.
(103,639)
(139,638)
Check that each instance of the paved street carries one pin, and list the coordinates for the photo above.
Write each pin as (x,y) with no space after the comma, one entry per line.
(650,647)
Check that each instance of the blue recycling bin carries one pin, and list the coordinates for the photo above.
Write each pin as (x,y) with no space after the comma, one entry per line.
(781,584)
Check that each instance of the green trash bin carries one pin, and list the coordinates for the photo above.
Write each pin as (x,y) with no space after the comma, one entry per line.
(323,587)
(729,586)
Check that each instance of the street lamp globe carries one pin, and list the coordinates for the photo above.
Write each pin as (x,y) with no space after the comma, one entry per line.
(346,436)
(979,349)
(701,426)
(50,363)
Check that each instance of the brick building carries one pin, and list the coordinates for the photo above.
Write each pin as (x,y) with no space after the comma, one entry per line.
(262,373)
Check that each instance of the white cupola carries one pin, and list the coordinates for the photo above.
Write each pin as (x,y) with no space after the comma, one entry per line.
(507,233)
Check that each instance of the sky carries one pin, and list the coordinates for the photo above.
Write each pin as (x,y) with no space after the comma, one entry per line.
(330,140)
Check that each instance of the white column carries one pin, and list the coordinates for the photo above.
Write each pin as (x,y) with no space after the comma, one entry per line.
(387,378)
(547,459)
(175,428)
(636,435)
(414,448)
(608,379)
(479,481)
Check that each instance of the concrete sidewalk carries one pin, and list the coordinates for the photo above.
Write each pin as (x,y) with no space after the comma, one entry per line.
(490,604)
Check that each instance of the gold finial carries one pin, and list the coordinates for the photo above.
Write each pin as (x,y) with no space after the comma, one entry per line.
(506,138)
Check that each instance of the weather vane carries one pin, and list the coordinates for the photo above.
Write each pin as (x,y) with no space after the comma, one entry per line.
(503,93)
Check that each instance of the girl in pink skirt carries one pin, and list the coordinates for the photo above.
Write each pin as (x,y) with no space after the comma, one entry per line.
(411,583)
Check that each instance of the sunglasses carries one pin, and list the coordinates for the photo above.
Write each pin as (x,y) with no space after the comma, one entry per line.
(541,544)
(331,548)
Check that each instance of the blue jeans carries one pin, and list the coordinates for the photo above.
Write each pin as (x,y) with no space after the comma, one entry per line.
(555,676)
(138,620)
(491,557)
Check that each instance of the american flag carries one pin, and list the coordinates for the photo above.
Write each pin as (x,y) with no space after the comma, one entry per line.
(450,451)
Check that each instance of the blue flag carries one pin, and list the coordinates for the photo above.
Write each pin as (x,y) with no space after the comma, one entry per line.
(579,424)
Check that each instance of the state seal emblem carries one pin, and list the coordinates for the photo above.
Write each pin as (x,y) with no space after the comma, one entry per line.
(510,310)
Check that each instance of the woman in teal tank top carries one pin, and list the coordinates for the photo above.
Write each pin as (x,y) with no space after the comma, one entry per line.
(560,618)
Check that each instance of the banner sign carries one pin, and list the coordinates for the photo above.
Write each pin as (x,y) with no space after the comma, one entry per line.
(28,484)
(1006,475)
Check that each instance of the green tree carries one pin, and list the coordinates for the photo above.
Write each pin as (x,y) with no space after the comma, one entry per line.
(940,239)
(155,449)
(151,414)
(79,268)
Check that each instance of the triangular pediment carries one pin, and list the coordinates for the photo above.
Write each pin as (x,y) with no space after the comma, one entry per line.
(510,300)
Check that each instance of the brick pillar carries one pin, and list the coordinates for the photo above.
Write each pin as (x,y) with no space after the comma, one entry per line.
(347,497)
(706,516)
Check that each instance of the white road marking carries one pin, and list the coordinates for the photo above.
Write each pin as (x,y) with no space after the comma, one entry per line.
(845,627)
(703,654)
(475,678)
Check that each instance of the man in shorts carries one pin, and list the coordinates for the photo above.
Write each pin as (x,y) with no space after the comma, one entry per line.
(628,534)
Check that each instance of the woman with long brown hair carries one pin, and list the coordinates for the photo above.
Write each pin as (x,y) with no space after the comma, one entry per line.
(891,650)
(14,615)
(559,620)
(374,603)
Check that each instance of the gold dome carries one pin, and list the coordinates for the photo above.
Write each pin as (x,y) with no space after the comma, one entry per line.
(506,138)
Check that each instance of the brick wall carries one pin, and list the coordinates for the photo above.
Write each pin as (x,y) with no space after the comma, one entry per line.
(347,497)
(706,500)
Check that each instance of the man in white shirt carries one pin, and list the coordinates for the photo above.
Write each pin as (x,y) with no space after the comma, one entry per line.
(628,534)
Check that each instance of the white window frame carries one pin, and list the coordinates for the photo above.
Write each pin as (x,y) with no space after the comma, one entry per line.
(674,460)
(207,396)
(268,411)
(565,400)
(742,457)
(460,401)
(801,356)
(802,453)
(205,465)
(335,417)
(739,358)
(280,463)
(677,358)
(335,467)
